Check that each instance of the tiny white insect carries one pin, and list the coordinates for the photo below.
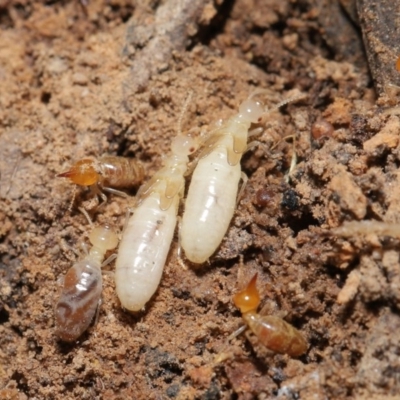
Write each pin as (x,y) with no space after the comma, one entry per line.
(212,195)
(147,237)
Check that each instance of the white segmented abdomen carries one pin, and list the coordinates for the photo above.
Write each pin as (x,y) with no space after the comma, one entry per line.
(209,205)
(143,251)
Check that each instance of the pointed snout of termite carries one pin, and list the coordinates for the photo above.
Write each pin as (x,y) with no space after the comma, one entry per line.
(82,173)
(66,174)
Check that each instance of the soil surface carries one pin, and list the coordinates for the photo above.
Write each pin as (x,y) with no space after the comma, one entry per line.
(89,78)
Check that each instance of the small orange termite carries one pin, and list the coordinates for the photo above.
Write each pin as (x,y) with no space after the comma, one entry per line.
(105,174)
(273,332)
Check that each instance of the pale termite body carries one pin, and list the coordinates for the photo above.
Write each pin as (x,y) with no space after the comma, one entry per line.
(148,234)
(82,287)
(213,190)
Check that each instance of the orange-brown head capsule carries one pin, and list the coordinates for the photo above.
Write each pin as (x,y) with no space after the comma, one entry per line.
(249,298)
(273,332)
(82,173)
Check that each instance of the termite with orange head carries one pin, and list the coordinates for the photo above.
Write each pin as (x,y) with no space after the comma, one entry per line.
(213,190)
(108,173)
(271,331)
(82,287)
(148,234)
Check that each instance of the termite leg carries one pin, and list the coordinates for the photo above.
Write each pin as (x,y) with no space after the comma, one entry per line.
(96,318)
(281,140)
(106,262)
(236,333)
(95,190)
(109,260)
(66,249)
(103,198)
(191,166)
(180,260)
(242,187)
(254,143)
(225,355)
(84,248)
(255,132)
(83,244)
(116,192)
(87,216)
(92,203)
(293,163)
(109,273)
(128,213)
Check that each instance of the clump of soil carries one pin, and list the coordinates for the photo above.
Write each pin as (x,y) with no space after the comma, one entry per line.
(91,78)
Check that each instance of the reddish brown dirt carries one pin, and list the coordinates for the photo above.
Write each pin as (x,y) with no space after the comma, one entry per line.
(111,77)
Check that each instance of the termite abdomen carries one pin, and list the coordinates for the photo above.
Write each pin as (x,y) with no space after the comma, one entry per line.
(83,284)
(79,300)
(276,334)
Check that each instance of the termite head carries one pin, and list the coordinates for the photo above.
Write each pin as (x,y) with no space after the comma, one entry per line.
(251,110)
(82,173)
(183,145)
(103,237)
(248,299)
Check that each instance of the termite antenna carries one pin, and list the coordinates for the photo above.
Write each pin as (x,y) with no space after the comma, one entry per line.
(183,111)
(299,96)
(72,200)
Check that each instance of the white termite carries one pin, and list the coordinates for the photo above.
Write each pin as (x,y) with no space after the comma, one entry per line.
(82,287)
(212,195)
(148,234)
